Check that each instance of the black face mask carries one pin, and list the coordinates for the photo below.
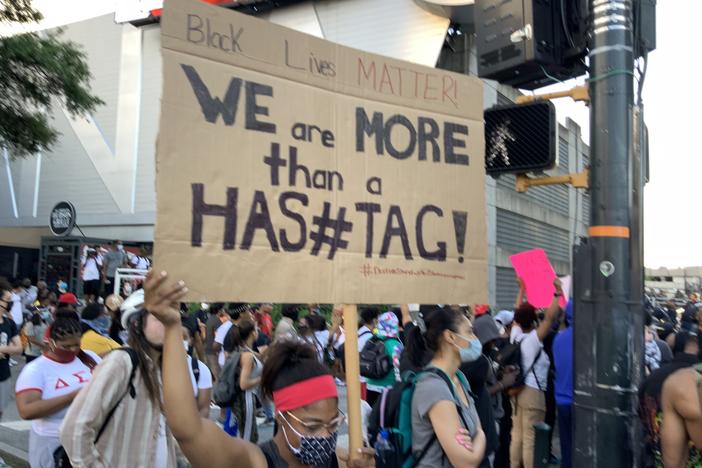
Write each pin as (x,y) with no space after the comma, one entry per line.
(8,305)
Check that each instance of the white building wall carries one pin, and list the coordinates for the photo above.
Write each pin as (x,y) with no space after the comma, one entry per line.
(104,165)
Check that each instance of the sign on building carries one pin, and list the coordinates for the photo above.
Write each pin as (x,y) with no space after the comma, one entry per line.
(291,169)
(62,219)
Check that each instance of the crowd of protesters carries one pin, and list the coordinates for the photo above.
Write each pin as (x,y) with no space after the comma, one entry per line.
(132,382)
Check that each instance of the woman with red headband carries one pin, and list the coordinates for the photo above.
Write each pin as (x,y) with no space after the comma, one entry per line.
(303,391)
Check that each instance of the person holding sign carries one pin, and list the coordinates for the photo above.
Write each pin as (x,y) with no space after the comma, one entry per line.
(446,429)
(529,396)
(301,387)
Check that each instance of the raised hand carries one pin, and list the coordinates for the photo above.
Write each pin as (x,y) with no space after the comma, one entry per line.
(162,299)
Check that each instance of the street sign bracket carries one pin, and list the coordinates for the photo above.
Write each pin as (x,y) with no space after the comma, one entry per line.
(578,93)
(577,180)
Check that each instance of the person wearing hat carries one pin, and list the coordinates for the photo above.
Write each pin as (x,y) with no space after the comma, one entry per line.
(67,301)
(123,403)
(113,302)
(478,373)
(487,383)
(95,323)
(504,319)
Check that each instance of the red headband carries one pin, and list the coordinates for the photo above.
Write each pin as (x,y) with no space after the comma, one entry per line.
(305,392)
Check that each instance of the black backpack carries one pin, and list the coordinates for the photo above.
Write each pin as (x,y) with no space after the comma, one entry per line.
(227,387)
(511,355)
(374,360)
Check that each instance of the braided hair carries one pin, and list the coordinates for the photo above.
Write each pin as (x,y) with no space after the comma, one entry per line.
(65,326)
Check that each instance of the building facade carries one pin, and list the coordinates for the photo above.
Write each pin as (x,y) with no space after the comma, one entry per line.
(104,164)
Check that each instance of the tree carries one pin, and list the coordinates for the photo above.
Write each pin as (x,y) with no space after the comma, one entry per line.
(34,71)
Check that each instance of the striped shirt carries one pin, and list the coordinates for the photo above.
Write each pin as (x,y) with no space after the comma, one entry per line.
(130,438)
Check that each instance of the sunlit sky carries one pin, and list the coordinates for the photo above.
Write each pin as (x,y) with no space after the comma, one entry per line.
(673,213)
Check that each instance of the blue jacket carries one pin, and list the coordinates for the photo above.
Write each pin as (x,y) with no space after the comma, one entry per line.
(563,361)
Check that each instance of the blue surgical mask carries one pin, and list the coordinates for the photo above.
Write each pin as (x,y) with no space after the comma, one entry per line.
(472,351)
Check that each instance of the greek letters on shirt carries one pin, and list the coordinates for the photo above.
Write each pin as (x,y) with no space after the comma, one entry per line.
(53,379)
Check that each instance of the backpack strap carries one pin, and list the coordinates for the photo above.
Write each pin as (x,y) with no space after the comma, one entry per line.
(433,439)
(452,389)
(424,450)
(195,366)
(383,401)
(134,358)
(698,369)
(533,364)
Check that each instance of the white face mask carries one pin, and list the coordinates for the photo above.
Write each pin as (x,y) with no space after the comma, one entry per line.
(120,247)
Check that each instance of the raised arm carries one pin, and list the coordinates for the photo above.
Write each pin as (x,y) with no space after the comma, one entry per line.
(551,312)
(406,317)
(202,441)
(520,295)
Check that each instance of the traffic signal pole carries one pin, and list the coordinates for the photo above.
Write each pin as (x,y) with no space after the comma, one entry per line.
(608,291)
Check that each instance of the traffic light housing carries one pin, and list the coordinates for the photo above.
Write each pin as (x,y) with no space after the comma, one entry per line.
(530,43)
(520,138)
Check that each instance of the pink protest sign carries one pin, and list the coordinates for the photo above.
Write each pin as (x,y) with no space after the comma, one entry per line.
(537,273)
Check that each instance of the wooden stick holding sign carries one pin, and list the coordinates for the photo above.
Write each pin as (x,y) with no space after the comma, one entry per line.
(353,379)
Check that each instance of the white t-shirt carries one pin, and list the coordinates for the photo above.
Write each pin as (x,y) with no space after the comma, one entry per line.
(16,310)
(205,381)
(530,345)
(91,272)
(161,455)
(141,263)
(53,379)
(220,334)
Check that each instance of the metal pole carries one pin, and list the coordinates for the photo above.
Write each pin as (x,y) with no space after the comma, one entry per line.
(609,320)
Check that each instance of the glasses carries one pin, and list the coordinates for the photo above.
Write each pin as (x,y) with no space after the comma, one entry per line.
(319,428)
(467,338)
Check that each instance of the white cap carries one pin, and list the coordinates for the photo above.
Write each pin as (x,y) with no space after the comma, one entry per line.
(131,306)
(504,317)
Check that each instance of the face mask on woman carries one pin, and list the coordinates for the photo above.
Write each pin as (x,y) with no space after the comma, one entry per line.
(64,355)
(313,451)
(471,352)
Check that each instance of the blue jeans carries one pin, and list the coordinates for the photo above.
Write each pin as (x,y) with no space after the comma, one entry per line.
(565,426)
(267,408)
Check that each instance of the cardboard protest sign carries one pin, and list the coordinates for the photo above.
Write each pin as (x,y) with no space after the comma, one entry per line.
(291,169)
(537,273)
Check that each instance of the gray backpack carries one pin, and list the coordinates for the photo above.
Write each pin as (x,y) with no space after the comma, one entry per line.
(227,387)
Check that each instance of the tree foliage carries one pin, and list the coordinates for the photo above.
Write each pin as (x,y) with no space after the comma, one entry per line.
(38,71)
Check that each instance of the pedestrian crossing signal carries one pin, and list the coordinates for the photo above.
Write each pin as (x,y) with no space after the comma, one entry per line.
(520,138)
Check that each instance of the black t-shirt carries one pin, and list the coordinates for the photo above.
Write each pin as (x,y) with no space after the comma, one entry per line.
(190,322)
(8,330)
(270,451)
(477,374)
